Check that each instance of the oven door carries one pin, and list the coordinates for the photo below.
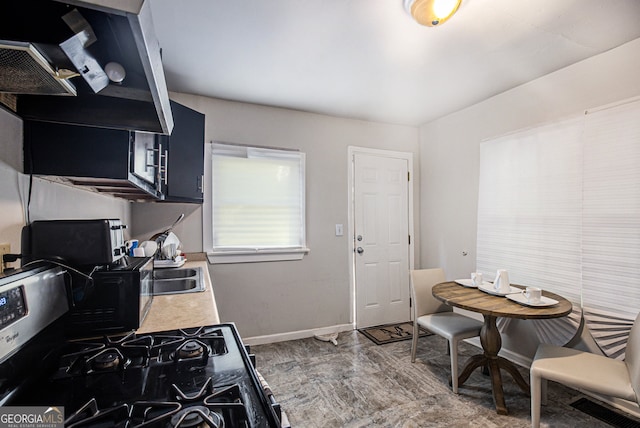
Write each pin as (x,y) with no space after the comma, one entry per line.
(116,301)
(146,289)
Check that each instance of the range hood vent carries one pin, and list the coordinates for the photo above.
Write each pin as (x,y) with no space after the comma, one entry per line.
(65,47)
(24,70)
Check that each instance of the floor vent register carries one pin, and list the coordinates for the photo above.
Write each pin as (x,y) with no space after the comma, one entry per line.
(605,414)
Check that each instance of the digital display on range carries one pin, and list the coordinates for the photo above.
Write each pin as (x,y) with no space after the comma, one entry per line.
(12,306)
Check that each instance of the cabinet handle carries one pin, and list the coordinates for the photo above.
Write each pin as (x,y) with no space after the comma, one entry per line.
(164,169)
(200,184)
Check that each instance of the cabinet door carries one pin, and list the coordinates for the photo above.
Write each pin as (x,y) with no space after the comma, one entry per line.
(75,151)
(185,164)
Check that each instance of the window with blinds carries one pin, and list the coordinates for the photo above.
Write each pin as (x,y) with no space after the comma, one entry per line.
(611,224)
(529,207)
(559,208)
(258,200)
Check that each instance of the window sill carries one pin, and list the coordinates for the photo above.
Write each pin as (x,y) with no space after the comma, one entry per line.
(252,256)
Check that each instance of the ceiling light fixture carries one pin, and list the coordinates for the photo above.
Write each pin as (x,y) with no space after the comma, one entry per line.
(431,12)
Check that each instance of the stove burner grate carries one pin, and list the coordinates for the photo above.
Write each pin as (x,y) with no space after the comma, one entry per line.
(139,414)
(195,417)
(108,359)
(207,407)
(191,346)
(226,401)
(193,351)
(158,380)
(190,349)
(89,415)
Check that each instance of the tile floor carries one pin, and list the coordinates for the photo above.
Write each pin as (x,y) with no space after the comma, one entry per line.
(360,384)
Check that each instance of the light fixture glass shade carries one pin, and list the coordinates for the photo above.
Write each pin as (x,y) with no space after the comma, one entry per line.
(433,12)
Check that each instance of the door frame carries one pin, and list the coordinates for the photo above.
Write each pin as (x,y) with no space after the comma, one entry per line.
(352,152)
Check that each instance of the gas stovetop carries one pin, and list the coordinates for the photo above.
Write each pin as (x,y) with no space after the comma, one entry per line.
(199,377)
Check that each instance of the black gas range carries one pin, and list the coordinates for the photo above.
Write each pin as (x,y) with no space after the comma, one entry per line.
(197,377)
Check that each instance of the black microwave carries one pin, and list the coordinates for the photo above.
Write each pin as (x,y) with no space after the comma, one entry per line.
(126,164)
(116,299)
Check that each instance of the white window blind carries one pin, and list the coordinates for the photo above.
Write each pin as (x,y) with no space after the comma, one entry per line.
(611,224)
(529,215)
(529,207)
(258,199)
(559,208)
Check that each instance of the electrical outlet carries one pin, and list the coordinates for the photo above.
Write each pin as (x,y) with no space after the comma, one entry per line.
(4,249)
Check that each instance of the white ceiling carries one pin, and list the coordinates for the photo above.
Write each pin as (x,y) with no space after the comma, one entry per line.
(368,59)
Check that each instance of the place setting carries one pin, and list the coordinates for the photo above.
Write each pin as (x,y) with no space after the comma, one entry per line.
(501,287)
(474,281)
(532,296)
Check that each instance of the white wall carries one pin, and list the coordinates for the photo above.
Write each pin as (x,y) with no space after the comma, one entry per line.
(449,151)
(281,297)
(49,201)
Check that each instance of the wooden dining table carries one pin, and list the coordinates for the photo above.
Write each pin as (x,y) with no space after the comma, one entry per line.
(491,307)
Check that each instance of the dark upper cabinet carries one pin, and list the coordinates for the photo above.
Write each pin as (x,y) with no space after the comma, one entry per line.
(185,161)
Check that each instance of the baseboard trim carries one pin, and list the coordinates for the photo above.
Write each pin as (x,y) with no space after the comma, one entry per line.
(293,335)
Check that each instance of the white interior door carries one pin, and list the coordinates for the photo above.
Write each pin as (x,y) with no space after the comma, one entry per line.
(381,240)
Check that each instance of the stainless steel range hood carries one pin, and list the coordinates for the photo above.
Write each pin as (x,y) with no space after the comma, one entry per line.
(36,61)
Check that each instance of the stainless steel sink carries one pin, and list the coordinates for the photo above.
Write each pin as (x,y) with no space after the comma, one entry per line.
(177,281)
(175,273)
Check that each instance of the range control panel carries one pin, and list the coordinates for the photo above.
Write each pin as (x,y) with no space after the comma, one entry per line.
(12,306)
(30,300)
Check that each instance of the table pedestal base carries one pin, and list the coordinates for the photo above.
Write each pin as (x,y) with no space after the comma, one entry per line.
(491,344)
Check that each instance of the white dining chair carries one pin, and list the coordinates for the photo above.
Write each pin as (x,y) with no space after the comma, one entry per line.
(438,318)
(586,371)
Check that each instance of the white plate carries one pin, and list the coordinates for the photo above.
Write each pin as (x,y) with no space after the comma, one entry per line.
(468,283)
(520,298)
(489,289)
(149,247)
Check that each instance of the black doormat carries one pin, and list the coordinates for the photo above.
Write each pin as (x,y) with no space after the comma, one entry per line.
(605,414)
(389,333)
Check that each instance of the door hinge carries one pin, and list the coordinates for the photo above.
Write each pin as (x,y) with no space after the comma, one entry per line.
(408,176)
(409,239)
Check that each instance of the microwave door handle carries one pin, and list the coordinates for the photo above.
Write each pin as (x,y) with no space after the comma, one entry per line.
(150,160)
(158,166)
(164,169)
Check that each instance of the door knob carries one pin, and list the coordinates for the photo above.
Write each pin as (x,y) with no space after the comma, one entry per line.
(360,250)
